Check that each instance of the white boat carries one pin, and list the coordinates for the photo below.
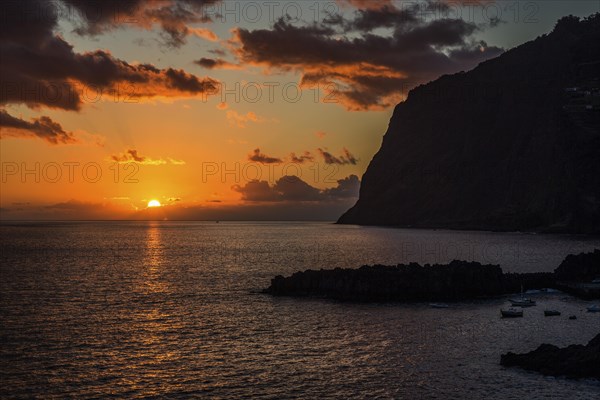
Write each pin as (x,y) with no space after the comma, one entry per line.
(511,313)
(522,302)
(594,308)
(534,291)
(438,305)
(550,290)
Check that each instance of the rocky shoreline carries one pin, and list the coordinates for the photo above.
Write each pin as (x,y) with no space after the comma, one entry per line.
(575,361)
(458,280)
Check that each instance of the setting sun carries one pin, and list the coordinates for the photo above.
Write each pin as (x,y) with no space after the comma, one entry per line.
(153,203)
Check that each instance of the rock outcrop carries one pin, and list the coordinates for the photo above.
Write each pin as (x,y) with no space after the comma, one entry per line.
(575,361)
(456,281)
(576,273)
(513,145)
(583,267)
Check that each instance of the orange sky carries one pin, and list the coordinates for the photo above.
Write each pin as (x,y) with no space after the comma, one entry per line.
(174,109)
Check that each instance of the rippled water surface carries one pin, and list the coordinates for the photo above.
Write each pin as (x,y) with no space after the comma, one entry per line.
(172,310)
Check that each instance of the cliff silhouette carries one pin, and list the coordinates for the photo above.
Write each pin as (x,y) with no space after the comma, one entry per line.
(512,145)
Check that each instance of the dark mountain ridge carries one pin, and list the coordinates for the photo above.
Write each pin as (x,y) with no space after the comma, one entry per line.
(513,145)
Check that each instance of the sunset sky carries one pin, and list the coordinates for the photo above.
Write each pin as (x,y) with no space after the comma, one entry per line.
(222,110)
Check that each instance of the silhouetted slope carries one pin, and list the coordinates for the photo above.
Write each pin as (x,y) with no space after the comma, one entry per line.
(503,147)
(575,361)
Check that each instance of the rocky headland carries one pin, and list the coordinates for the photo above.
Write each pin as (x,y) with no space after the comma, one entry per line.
(512,145)
(575,361)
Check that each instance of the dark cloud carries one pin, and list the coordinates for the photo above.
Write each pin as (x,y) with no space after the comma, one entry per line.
(173,16)
(257,191)
(348,187)
(208,63)
(132,155)
(218,52)
(44,128)
(345,158)
(366,4)
(211,63)
(368,19)
(74,210)
(293,189)
(369,70)
(39,68)
(181,80)
(257,156)
(74,205)
(301,159)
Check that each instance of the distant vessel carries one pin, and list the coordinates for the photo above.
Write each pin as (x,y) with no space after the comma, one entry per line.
(551,313)
(511,313)
(438,305)
(594,308)
(522,302)
(573,317)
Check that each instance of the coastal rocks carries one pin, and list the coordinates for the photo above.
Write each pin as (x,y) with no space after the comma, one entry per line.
(583,267)
(575,361)
(458,280)
(579,275)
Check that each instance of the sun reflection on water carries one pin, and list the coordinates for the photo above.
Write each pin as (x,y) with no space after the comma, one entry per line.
(153,246)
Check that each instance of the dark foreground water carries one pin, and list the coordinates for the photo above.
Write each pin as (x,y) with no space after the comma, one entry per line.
(171,309)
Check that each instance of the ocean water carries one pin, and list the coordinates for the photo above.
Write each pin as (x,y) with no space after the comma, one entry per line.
(173,309)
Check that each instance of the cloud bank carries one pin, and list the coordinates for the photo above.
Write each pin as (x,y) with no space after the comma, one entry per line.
(372,58)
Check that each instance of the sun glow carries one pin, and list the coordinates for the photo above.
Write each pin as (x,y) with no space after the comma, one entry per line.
(153,203)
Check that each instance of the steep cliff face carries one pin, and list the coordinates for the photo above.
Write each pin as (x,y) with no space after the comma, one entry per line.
(510,145)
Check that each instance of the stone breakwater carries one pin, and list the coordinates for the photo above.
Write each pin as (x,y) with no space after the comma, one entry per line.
(458,280)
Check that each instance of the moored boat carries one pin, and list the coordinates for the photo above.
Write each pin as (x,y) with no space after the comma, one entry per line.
(551,313)
(511,313)
(439,305)
(522,302)
(594,308)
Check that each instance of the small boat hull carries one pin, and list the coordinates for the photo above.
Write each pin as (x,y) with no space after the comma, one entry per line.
(438,305)
(511,313)
(551,313)
(522,303)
